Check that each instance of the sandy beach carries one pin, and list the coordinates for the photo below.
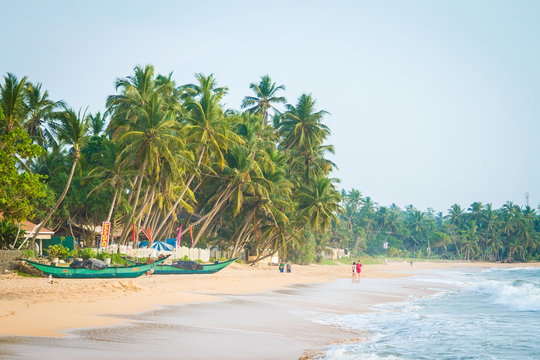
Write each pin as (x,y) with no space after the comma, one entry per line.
(32,307)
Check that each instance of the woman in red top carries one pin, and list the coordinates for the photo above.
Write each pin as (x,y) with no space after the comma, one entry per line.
(358,268)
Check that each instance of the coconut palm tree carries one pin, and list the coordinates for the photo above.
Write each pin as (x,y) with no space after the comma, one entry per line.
(40,109)
(13,102)
(264,99)
(318,203)
(301,126)
(71,129)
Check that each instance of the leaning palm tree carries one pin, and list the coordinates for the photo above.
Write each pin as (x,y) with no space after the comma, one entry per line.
(71,129)
(264,99)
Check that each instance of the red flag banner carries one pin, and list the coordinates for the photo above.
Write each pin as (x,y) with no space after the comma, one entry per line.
(191,235)
(105,234)
(133,236)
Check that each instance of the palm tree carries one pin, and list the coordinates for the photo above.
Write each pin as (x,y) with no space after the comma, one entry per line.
(264,99)
(208,130)
(71,129)
(12,99)
(301,127)
(97,123)
(40,108)
(319,203)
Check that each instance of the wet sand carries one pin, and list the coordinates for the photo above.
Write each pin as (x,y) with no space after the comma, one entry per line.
(241,312)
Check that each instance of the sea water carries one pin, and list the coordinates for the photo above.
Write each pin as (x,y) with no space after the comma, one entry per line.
(490,314)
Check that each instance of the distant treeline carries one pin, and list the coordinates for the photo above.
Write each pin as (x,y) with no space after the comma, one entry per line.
(511,233)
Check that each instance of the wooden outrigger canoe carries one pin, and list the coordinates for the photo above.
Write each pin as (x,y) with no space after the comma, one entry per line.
(108,272)
(206,268)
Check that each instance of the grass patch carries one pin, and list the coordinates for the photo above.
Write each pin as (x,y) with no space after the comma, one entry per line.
(328,262)
(23,274)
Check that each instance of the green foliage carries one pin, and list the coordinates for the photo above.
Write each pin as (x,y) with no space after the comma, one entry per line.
(511,233)
(185,258)
(23,274)
(102,255)
(345,260)
(117,259)
(18,189)
(328,262)
(8,233)
(57,251)
(85,253)
(29,254)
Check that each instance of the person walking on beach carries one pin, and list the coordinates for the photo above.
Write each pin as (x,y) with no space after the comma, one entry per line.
(354,270)
(288,267)
(281,267)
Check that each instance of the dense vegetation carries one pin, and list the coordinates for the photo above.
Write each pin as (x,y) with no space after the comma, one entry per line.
(164,155)
(480,232)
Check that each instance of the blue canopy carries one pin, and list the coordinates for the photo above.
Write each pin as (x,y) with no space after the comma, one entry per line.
(158,245)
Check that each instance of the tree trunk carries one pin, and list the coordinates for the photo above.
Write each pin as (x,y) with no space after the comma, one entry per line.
(112,205)
(136,202)
(181,194)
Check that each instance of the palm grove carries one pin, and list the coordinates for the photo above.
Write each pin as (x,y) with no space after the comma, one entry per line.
(165,155)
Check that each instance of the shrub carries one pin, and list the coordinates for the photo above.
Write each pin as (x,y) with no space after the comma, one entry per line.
(103,255)
(58,251)
(85,253)
(29,254)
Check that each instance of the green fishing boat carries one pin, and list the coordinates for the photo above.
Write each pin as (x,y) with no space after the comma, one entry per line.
(83,273)
(189,267)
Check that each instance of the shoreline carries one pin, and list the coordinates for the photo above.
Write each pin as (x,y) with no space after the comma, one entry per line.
(30,307)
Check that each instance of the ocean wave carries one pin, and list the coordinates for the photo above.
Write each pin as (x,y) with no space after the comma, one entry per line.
(518,295)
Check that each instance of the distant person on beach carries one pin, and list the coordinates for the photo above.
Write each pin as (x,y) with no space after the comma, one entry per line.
(358,268)
(288,267)
(354,270)
(411,263)
(281,267)
(50,280)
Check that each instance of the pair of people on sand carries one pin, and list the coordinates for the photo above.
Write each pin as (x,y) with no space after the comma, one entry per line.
(283,267)
(356,269)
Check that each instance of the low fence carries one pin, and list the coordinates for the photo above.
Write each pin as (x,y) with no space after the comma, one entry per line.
(178,253)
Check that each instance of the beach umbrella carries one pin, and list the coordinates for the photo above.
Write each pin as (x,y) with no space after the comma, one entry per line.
(161,246)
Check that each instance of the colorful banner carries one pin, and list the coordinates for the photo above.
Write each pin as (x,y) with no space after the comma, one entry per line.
(105,234)
(133,236)
(179,236)
(191,235)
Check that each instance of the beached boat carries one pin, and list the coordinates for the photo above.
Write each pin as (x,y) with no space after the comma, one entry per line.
(83,273)
(202,269)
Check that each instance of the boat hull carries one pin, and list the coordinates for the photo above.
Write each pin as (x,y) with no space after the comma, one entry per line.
(109,272)
(207,269)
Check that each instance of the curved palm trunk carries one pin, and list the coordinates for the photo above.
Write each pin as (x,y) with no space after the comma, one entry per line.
(58,202)
(224,197)
(181,196)
(134,208)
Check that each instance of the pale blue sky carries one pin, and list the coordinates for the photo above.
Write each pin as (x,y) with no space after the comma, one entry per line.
(432,102)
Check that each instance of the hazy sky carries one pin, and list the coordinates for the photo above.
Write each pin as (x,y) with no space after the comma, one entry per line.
(431,102)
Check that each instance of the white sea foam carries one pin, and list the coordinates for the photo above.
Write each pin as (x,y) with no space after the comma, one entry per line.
(517,295)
